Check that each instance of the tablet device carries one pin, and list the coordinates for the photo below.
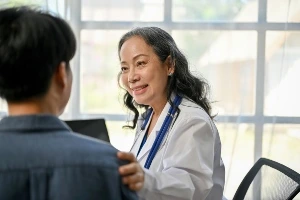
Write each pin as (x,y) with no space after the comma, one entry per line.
(95,128)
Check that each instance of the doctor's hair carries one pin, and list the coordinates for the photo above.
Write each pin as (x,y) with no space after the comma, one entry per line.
(182,82)
(32,44)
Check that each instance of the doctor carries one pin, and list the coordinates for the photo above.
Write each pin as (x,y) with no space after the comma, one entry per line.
(176,154)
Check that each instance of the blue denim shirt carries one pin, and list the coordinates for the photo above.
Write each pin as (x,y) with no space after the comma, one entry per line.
(40,158)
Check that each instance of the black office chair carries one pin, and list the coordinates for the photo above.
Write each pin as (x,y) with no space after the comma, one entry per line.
(269,180)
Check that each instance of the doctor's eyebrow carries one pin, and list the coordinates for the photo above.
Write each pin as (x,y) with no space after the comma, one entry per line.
(135,57)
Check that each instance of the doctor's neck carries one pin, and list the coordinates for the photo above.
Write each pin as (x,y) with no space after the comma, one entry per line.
(158,108)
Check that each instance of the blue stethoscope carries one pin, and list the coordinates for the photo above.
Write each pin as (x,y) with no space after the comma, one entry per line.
(162,132)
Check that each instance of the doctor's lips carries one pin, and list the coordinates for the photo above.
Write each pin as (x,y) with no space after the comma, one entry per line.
(137,88)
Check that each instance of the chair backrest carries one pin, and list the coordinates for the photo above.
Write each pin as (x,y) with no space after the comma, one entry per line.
(269,180)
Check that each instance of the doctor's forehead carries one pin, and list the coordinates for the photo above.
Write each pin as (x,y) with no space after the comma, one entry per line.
(135,47)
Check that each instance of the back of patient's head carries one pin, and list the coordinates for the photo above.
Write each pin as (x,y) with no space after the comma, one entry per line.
(32,44)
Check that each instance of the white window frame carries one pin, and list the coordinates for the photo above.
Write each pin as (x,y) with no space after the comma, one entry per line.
(261,26)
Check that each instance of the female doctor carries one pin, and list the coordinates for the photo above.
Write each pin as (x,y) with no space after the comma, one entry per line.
(176,153)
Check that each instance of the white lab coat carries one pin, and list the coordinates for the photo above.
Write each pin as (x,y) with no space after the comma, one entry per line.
(188,165)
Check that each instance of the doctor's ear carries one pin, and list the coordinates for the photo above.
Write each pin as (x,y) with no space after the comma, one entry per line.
(171,65)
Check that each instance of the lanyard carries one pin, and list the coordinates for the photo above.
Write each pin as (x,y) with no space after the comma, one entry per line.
(162,132)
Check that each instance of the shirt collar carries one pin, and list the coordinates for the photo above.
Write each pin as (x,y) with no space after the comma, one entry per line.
(26,123)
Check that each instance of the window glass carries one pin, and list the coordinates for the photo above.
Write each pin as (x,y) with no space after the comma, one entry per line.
(215,10)
(283,11)
(281,143)
(99,68)
(120,138)
(122,10)
(282,73)
(237,153)
(222,59)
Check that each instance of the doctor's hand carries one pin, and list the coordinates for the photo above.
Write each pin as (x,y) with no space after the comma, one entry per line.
(132,173)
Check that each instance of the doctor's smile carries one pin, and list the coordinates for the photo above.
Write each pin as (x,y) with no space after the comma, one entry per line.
(139,89)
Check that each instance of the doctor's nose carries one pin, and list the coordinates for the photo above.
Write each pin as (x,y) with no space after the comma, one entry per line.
(133,77)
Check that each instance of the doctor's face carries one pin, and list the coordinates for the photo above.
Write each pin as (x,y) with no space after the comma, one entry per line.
(143,75)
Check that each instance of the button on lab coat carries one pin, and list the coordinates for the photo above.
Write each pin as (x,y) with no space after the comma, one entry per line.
(188,164)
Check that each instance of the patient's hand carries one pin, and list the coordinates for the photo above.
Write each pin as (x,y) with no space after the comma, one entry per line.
(132,173)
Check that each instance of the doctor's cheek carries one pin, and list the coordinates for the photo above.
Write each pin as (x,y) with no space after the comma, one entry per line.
(132,173)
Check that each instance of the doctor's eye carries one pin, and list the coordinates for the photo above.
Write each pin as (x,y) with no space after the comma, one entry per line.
(140,63)
(124,69)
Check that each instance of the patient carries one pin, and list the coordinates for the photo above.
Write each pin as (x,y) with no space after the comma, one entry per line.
(40,158)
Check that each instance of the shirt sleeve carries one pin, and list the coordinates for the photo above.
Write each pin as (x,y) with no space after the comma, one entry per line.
(127,194)
(187,164)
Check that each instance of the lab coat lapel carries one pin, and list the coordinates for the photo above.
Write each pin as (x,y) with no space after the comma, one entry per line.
(138,141)
(150,140)
(147,146)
